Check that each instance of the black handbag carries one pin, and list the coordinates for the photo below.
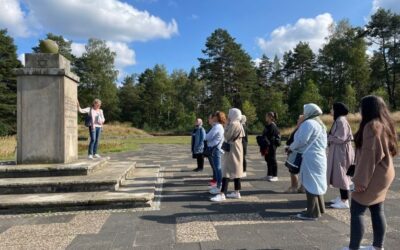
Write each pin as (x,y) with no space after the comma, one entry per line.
(88,119)
(226,147)
(293,162)
(351,170)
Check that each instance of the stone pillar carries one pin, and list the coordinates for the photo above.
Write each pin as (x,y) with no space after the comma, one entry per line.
(46,110)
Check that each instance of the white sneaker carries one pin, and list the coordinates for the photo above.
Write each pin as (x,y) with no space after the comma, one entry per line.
(215,190)
(244,174)
(267,178)
(233,195)
(336,200)
(274,179)
(218,198)
(341,205)
(90,157)
(369,248)
(97,156)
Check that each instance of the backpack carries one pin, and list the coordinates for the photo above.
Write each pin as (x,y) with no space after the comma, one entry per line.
(88,119)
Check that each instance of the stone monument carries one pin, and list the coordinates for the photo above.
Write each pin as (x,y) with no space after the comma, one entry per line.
(46,110)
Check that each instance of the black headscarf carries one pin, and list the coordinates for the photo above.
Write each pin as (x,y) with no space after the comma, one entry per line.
(339,109)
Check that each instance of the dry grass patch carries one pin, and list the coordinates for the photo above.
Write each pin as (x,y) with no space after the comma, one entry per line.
(8,145)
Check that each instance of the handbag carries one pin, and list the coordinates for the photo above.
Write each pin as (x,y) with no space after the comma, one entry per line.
(293,162)
(294,159)
(350,172)
(88,119)
(226,146)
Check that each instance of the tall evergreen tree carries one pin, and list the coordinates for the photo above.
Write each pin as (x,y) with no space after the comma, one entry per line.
(98,77)
(8,84)
(226,69)
(384,30)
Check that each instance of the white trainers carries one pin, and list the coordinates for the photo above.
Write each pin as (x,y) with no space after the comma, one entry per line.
(215,190)
(363,248)
(233,195)
(267,178)
(90,157)
(244,174)
(97,156)
(218,198)
(336,200)
(274,179)
(341,205)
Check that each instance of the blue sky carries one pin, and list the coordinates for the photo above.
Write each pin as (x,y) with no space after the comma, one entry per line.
(173,32)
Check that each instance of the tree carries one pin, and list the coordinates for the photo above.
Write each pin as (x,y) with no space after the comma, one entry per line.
(299,64)
(249,110)
(343,61)
(310,94)
(8,84)
(129,99)
(98,77)
(264,71)
(384,30)
(227,70)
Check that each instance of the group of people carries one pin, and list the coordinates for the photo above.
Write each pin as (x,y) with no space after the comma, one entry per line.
(327,158)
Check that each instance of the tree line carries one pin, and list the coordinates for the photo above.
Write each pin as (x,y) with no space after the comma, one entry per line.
(156,100)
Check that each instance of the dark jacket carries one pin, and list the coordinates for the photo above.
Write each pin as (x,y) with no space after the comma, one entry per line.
(272,135)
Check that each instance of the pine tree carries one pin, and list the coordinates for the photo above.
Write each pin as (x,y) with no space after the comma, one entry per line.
(8,84)
(98,77)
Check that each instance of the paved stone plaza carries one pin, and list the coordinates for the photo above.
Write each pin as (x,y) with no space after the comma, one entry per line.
(182,217)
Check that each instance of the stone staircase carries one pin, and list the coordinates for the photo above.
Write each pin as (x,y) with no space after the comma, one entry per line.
(83,185)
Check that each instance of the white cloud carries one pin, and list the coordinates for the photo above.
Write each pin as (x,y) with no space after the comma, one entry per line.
(21,58)
(111,20)
(393,5)
(13,18)
(125,56)
(284,38)
(78,49)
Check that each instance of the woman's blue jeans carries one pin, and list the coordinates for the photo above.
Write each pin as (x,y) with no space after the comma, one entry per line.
(94,140)
(216,159)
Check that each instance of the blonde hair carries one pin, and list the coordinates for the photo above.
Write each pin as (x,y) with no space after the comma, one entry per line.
(96,101)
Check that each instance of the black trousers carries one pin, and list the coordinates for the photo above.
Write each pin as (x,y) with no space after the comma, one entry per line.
(200,161)
(225,184)
(344,194)
(357,226)
(272,164)
(244,157)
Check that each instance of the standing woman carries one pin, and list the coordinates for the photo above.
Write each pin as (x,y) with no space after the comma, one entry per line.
(198,138)
(340,155)
(95,126)
(376,145)
(273,138)
(311,140)
(215,138)
(233,158)
(245,142)
(213,182)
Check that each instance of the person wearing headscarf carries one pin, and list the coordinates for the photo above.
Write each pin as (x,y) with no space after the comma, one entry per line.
(198,138)
(232,160)
(311,140)
(340,155)
(245,142)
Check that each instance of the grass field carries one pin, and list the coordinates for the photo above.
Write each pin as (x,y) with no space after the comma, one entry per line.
(117,137)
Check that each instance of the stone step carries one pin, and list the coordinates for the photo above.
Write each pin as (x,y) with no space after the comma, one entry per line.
(108,178)
(137,190)
(81,167)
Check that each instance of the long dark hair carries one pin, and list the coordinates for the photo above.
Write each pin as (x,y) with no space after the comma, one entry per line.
(273,115)
(374,108)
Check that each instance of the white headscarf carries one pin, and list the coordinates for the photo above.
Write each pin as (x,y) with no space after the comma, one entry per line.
(311,110)
(243,120)
(235,115)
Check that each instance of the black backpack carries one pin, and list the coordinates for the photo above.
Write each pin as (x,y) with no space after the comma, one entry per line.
(88,119)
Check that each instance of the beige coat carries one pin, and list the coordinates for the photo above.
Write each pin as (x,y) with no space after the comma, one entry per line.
(341,154)
(232,162)
(374,166)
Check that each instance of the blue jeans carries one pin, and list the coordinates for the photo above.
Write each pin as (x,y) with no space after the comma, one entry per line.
(94,140)
(357,227)
(216,159)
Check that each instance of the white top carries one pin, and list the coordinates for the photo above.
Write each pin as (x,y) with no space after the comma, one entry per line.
(97,116)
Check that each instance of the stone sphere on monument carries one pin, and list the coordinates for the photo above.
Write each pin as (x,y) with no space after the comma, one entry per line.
(48,46)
